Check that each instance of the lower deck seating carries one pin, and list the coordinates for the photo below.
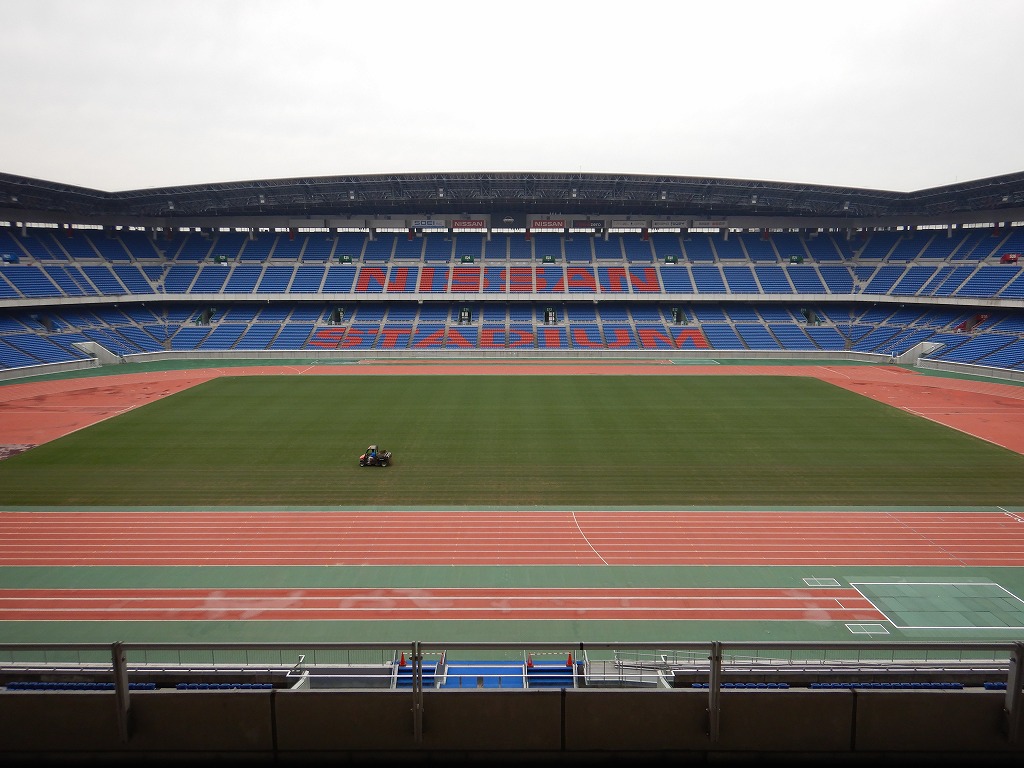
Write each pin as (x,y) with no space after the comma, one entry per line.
(37,336)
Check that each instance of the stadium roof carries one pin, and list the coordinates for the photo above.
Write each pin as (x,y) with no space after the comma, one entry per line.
(997,198)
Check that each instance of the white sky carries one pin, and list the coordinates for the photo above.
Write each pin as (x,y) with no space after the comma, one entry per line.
(884,94)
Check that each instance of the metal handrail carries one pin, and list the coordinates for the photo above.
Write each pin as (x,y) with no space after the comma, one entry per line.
(716,652)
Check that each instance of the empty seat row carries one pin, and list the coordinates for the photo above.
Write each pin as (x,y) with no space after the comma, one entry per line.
(61,685)
(223,686)
(927,685)
(760,685)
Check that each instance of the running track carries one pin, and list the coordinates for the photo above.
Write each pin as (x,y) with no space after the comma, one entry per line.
(448,604)
(432,538)
(495,538)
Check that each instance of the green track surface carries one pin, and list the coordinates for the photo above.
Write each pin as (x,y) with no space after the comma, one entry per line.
(298,578)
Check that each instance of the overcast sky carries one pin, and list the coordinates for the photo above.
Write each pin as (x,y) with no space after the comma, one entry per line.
(883,94)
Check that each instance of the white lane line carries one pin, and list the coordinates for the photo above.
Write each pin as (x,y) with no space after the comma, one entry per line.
(577,522)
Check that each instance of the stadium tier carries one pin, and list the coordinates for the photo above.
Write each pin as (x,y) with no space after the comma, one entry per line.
(879,292)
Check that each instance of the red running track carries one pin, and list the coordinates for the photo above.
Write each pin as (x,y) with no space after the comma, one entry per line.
(830,604)
(593,538)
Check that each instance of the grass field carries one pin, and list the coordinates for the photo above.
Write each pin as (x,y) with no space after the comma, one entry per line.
(584,441)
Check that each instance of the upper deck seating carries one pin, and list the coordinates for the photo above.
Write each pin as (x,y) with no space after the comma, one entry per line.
(547,244)
(318,247)
(909,246)
(519,249)
(790,245)
(350,244)
(438,249)
(833,246)
(193,246)
(608,250)
(408,248)
(666,244)
(379,249)
(979,245)
(243,249)
(637,249)
(729,249)
(464,244)
(698,247)
(287,247)
(496,249)
(758,248)
(878,246)
(578,250)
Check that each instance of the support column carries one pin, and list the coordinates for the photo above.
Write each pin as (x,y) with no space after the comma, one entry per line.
(714,690)
(120,667)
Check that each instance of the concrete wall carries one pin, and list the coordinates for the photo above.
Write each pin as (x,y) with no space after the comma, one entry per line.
(279,725)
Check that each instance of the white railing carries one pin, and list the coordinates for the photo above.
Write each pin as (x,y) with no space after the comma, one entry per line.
(641,664)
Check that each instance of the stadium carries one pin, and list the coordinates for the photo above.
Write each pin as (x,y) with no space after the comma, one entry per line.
(734,465)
